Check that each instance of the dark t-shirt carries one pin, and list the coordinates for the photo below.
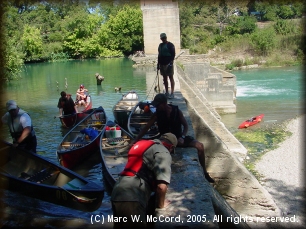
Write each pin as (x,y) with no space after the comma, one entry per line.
(166,53)
(67,105)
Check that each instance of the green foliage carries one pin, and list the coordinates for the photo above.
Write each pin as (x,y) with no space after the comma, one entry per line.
(32,44)
(284,27)
(242,25)
(124,31)
(263,41)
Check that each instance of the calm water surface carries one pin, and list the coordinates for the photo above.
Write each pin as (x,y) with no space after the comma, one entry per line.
(275,92)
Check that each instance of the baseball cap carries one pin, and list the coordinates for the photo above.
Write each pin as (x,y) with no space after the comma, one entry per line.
(158,99)
(11,104)
(162,35)
(170,137)
(81,86)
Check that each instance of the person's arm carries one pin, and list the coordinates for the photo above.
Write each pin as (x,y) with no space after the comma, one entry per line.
(26,131)
(145,129)
(4,118)
(158,57)
(185,127)
(172,52)
(75,108)
(161,191)
(60,111)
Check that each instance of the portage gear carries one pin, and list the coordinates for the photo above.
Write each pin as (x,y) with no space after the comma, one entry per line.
(135,165)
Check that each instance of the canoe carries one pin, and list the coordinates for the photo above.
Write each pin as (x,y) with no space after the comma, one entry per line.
(82,109)
(139,117)
(82,140)
(32,175)
(69,121)
(122,109)
(114,148)
(252,121)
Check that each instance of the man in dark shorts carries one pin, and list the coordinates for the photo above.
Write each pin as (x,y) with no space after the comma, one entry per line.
(148,170)
(166,55)
(170,118)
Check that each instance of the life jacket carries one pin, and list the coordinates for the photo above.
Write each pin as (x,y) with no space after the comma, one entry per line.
(16,128)
(135,165)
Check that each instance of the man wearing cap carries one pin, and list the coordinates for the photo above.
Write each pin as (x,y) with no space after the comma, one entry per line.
(81,95)
(148,170)
(66,104)
(20,126)
(170,118)
(166,54)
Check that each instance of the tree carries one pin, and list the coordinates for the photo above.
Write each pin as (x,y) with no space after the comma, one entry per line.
(263,40)
(32,44)
(124,31)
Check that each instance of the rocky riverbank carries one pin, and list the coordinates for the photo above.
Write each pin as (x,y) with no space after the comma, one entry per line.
(283,173)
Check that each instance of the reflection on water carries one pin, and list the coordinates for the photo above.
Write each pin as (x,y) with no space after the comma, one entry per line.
(274,92)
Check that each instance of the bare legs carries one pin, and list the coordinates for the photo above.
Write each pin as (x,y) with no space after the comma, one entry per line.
(172,84)
(201,155)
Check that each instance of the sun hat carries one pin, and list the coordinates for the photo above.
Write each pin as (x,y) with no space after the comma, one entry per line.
(170,137)
(158,99)
(10,105)
(162,35)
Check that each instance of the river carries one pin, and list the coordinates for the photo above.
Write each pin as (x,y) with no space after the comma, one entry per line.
(276,92)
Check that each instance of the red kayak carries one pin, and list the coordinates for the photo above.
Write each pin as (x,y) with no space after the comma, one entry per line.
(251,121)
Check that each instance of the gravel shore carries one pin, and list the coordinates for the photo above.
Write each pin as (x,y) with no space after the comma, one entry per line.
(283,171)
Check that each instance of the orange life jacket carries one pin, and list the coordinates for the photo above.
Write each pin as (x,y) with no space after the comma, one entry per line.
(135,165)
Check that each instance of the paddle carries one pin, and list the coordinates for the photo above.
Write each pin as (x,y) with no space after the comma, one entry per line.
(78,198)
(58,116)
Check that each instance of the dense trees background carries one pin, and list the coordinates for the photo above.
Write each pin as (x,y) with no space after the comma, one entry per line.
(35,31)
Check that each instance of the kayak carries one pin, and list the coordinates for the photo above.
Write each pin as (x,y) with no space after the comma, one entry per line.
(252,121)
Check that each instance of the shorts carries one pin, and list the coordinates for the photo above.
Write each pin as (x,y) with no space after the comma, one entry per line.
(129,209)
(188,139)
(165,70)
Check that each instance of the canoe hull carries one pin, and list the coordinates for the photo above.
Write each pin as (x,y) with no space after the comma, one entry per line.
(251,122)
(114,153)
(69,121)
(32,175)
(77,146)
(138,119)
(123,107)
